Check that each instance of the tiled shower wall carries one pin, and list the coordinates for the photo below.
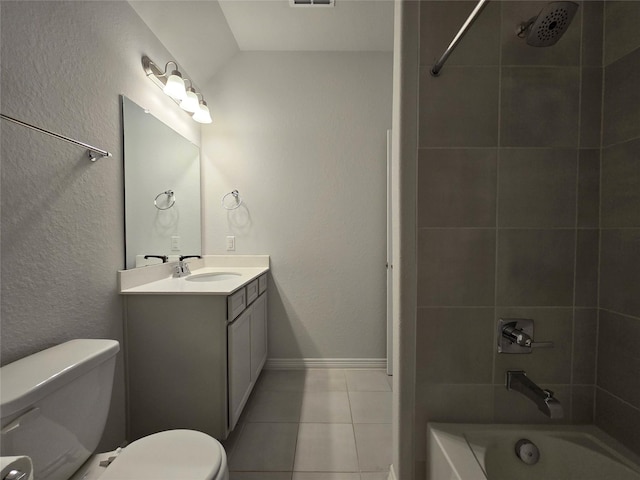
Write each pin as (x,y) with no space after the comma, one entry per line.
(618,373)
(508,213)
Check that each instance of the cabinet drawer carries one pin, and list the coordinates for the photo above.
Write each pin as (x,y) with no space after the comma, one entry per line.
(262,281)
(252,291)
(236,303)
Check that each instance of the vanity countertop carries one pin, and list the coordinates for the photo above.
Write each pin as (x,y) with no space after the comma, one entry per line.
(159,280)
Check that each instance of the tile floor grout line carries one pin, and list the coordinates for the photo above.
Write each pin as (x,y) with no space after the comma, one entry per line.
(353,429)
(295,450)
(328,386)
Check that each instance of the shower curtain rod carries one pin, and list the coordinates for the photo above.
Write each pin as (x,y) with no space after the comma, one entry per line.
(435,70)
(93,152)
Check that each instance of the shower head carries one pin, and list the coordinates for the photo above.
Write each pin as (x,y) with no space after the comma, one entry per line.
(550,24)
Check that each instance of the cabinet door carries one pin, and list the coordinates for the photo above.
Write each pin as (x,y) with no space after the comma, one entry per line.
(258,336)
(239,346)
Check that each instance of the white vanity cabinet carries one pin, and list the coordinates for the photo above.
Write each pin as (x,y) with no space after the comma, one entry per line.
(247,341)
(240,384)
(258,336)
(192,360)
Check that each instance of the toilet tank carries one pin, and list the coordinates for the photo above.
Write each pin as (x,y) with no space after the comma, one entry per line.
(54,405)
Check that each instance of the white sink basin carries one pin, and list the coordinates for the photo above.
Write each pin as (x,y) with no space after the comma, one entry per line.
(213,277)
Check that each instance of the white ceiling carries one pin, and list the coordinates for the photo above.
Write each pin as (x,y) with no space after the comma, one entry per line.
(205,34)
(195,32)
(273,25)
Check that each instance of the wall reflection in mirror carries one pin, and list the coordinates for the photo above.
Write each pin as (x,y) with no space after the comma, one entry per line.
(162,189)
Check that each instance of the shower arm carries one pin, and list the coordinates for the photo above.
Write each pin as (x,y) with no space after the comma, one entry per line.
(435,70)
(524,27)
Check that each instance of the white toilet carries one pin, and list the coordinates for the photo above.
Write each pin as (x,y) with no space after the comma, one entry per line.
(53,408)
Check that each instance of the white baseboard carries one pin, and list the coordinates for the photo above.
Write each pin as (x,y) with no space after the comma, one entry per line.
(305,363)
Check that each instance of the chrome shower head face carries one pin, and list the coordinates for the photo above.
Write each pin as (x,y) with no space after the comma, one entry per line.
(550,24)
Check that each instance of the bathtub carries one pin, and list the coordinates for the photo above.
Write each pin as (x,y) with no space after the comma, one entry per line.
(481,452)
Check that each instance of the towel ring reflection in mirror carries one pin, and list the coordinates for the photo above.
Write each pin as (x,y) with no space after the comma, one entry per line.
(236,196)
(171,200)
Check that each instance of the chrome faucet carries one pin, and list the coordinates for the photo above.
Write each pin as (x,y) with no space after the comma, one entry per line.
(517,380)
(181,269)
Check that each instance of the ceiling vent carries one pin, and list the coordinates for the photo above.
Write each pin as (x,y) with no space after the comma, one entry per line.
(312,3)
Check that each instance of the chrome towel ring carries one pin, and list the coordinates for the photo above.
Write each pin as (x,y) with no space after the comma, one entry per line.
(171,199)
(236,196)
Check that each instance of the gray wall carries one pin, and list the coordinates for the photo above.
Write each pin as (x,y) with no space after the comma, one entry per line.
(302,136)
(64,65)
(507,214)
(618,392)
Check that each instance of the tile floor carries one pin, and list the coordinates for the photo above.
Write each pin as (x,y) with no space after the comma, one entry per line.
(319,424)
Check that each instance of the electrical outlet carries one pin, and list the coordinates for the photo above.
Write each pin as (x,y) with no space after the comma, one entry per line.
(175,243)
(231,243)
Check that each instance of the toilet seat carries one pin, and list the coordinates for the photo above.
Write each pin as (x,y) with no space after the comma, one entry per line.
(170,455)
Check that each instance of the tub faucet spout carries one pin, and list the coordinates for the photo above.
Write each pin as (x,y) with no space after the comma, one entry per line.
(517,380)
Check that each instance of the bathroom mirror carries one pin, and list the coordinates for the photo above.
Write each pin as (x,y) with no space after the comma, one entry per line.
(161,189)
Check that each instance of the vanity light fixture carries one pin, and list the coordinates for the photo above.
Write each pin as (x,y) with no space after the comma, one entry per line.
(190,103)
(202,115)
(175,85)
(172,83)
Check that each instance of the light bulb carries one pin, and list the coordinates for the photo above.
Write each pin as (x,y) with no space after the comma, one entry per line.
(175,86)
(190,102)
(202,115)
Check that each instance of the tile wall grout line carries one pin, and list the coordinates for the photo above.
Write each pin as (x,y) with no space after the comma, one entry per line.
(624,55)
(619,228)
(598,288)
(576,214)
(614,144)
(543,307)
(611,394)
(509,65)
(626,315)
(616,228)
(494,350)
(512,228)
(511,147)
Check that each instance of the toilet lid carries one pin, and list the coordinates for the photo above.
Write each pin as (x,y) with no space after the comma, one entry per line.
(170,455)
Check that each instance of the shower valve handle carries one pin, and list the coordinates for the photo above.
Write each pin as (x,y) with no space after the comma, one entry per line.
(515,335)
